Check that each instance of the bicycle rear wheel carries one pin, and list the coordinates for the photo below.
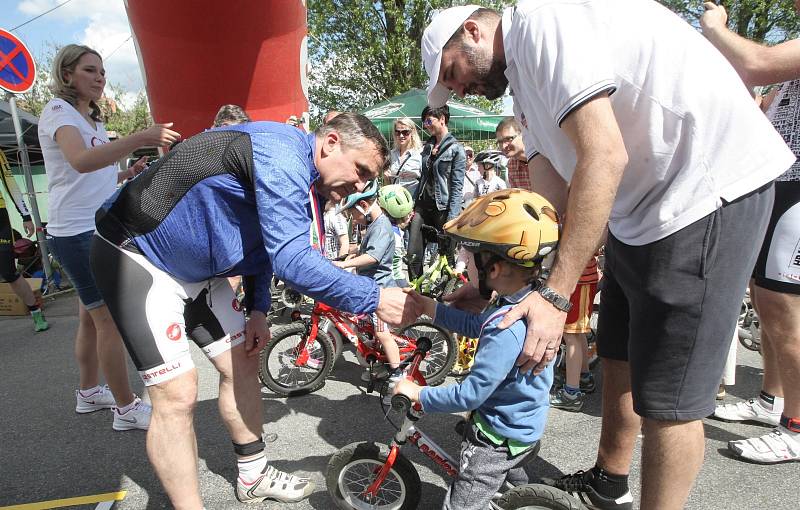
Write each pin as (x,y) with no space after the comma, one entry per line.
(280,368)
(440,359)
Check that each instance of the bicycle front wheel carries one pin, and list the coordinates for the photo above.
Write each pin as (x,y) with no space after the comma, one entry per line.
(535,497)
(288,369)
(440,359)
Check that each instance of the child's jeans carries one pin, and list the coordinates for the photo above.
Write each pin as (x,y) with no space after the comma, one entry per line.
(484,468)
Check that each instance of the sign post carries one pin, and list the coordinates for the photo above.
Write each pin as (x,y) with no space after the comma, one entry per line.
(17,74)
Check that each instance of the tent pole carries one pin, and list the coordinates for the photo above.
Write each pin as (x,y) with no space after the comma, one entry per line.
(31,194)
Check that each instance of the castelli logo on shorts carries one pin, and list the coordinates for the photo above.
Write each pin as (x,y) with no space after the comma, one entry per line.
(174,331)
(236,305)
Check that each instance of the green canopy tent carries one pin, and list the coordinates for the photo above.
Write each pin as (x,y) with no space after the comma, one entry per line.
(468,124)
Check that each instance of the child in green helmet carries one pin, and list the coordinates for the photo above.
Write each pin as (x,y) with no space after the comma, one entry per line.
(395,200)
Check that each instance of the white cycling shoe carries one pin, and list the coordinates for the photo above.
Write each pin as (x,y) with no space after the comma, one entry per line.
(780,445)
(748,410)
(276,485)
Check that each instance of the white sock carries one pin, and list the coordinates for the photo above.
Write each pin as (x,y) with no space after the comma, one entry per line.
(250,468)
(125,409)
(88,392)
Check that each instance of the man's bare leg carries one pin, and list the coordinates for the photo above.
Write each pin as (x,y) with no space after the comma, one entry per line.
(171,441)
(620,424)
(240,403)
(672,454)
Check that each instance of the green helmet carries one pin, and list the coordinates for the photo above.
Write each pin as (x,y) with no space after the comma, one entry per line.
(395,200)
(350,200)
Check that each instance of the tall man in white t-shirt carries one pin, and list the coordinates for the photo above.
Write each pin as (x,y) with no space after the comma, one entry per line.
(634,120)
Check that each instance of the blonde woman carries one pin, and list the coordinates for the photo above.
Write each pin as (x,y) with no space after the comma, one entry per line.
(406,159)
(82,172)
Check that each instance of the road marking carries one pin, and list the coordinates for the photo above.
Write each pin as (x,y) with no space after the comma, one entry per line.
(106,500)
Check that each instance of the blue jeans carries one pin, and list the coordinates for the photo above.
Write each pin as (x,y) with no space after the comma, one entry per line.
(72,253)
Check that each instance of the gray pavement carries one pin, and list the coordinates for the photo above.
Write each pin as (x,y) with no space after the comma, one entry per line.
(47,452)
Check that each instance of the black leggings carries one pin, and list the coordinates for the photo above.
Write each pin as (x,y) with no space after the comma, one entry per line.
(8,269)
(417,238)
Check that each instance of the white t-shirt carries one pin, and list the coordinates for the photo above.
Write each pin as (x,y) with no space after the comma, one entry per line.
(471,177)
(693,134)
(484,187)
(74,197)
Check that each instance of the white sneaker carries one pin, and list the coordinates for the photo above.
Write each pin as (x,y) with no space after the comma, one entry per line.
(780,445)
(274,484)
(748,410)
(103,399)
(137,417)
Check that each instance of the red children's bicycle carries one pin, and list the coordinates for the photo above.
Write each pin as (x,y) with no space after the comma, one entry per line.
(301,355)
(371,476)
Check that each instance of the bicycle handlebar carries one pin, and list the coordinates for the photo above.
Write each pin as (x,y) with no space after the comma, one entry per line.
(401,403)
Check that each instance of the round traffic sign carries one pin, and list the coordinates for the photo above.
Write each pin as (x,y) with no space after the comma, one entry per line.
(17,69)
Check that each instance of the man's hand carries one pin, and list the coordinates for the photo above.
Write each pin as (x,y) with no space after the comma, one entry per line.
(424,303)
(339,263)
(714,18)
(467,298)
(408,388)
(397,308)
(28,227)
(545,327)
(256,333)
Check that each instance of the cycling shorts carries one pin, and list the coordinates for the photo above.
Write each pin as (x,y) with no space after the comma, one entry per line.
(778,265)
(158,314)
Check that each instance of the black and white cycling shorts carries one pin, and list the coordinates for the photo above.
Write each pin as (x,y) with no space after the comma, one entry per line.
(158,314)
(778,264)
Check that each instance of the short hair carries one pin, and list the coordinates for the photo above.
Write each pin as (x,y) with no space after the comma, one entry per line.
(230,114)
(67,60)
(482,15)
(509,122)
(354,130)
(442,111)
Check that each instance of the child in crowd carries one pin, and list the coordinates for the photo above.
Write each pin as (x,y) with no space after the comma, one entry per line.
(508,233)
(374,258)
(337,232)
(579,379)
(396,202)
(491,162)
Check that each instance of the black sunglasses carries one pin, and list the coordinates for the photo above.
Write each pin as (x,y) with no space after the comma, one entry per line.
(402,132)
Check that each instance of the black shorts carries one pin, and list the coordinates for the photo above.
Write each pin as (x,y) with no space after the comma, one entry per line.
(669,308)
(8,268)
(778,264)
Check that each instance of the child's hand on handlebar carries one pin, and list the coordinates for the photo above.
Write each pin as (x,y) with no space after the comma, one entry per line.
(408,388)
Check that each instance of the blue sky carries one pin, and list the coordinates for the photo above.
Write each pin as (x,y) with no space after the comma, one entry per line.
(100,24)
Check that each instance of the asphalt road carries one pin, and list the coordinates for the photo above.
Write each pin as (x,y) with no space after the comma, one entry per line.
(48,452)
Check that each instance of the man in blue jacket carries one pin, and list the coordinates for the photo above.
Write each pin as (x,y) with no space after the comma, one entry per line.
(231,201)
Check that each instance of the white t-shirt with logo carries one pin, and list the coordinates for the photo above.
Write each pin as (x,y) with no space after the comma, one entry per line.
(693,134)
(484,186)
(74,197)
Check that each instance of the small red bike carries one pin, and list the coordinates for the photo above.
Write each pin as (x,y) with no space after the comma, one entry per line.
(301,355)
(370,476)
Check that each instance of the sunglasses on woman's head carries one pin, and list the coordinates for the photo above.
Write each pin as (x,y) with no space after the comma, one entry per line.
(402,132)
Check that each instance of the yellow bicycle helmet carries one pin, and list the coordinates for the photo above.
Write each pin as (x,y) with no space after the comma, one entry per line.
(517,225)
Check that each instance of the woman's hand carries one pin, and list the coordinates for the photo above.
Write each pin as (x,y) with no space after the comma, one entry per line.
(158,135)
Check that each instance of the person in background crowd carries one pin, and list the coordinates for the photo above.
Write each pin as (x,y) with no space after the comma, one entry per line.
(775,287)
(594,85)
(337,232)
(8,268)
(439,196)
(82,172)
(492,163)
(230,115)
(471,176)
(406,160)
(509,140)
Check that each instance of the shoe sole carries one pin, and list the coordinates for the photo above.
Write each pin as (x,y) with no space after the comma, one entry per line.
(749,420)
(91,410)
(126,428)
(275,498)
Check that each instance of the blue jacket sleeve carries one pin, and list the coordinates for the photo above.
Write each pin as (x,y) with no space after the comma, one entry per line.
(493,362)
(282,182)
(456,182)
(458,321)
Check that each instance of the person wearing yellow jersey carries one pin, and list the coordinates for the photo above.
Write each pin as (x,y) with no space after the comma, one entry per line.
(8,269)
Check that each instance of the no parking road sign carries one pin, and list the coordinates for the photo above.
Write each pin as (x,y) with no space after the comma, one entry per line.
(17,69)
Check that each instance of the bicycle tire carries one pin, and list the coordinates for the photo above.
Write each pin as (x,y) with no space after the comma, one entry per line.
(287,382)
(362,460)
(438,362)
(537,496)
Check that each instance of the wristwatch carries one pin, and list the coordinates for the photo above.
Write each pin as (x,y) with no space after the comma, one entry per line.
(555,298)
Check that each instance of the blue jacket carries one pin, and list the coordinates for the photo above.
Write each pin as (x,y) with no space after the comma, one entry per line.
(514,404)
(448,166)
(237,205)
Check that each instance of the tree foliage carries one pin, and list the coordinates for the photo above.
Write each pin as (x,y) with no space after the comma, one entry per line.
(769,21)
(363,52)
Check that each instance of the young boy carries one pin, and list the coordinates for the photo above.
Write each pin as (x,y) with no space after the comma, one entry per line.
(396,202)
(374,258)
(491,162)
(507,233)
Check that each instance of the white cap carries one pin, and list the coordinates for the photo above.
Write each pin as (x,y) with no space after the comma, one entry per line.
(440,30)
